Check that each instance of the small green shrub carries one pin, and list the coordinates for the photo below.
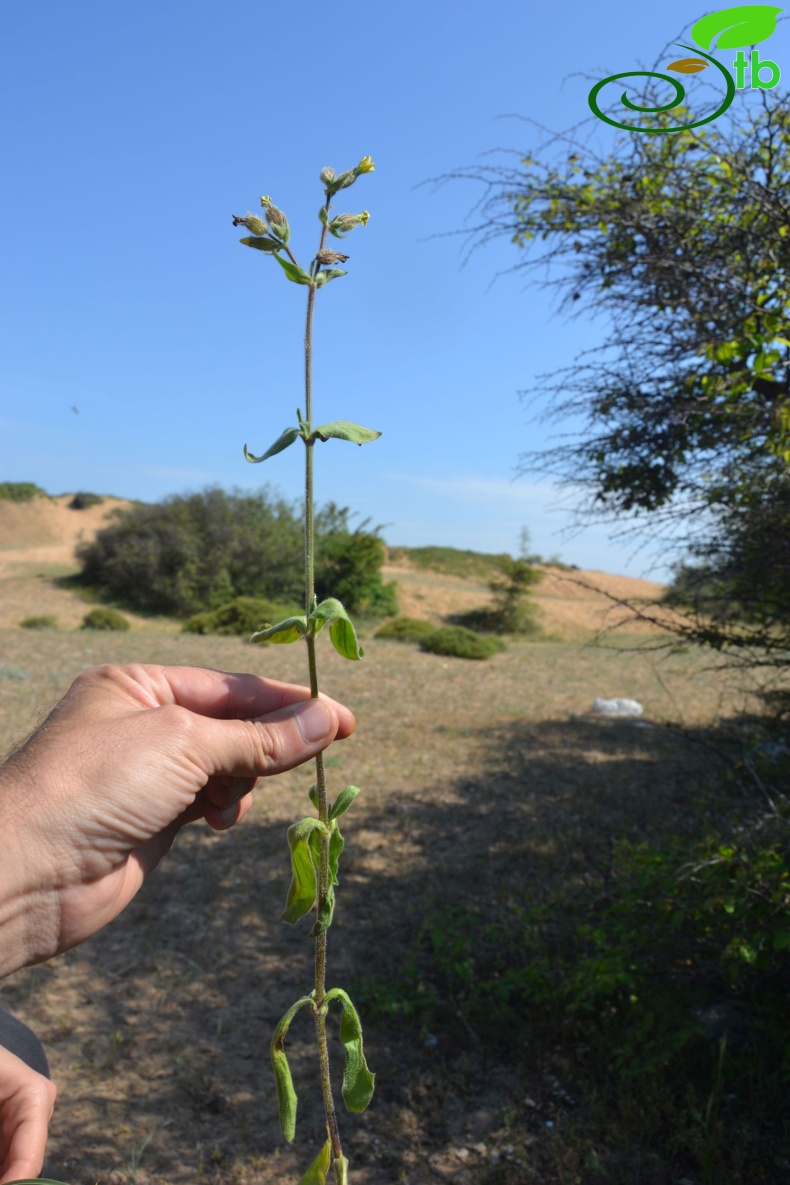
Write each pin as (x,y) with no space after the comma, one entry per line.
(457,642)
(44,621)
(104,618)
(240,617)
(83,500)
(406,629)
(20,491)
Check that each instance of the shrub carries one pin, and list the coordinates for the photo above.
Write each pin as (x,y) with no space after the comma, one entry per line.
(193,553)
(406,629)
(457,642)
(20,491)
(450,561)
(83,500)
(349,565)
(104,618)
(45,621)
(239,617)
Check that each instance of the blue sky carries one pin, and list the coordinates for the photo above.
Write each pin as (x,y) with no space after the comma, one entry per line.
(132,132)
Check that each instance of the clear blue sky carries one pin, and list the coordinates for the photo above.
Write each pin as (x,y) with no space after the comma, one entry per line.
(131,132)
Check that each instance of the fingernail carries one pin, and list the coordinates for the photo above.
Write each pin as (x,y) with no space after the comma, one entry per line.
(229,815)
(238,787)
(314,721)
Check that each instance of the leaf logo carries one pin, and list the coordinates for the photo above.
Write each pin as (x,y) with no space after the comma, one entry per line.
(746,24)
(688,65)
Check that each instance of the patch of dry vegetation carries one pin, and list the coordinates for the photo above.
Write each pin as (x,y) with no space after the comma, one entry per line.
(486,791)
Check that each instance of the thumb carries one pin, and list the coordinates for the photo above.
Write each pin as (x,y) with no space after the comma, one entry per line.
(267,745)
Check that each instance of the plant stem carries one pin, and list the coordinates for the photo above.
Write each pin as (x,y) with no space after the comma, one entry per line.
(319,1009)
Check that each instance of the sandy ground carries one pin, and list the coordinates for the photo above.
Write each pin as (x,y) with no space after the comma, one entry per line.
(482,783)
(38,541)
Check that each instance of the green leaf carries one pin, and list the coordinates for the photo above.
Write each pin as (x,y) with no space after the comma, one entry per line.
(358,1082)
(262,243)
(344,638)
(286,1095)
(282,442)
(341,1170)
(343,801)
(313,795)
(316,1174)
(336,845)
(331,273)
(292,271)
(323,215)
(289,630)
(304,883)
(746,24)
(341,628)
(327,907)
(345,430)
(326,911)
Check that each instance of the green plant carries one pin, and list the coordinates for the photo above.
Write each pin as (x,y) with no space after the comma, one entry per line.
(456,641)
(20,491)
(44,621)
(315,841)
(406,629)
(450,561)
(348,565)
(105,618)
(680,412)
(240,617)
(195,552)
(83,500)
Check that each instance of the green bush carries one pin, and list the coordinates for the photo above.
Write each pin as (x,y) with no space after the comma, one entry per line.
(193,553)
(83,500)
(240,617)
(348,565)
(20,491)
(105,618)
(45,621)
(405,629)
(457,642)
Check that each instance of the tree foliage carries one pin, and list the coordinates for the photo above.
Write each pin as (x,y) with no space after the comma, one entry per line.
(682,242)
(196,552)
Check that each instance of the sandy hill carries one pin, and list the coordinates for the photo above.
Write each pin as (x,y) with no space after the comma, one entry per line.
(38,540)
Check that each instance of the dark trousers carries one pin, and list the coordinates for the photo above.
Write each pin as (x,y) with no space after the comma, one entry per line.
(23,1042)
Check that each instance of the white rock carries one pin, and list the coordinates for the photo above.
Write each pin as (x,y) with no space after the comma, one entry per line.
(617,707)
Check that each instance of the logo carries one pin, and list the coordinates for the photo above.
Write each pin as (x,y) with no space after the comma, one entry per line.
(731,28)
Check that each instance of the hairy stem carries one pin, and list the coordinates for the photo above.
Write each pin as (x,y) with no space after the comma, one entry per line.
(319,1010)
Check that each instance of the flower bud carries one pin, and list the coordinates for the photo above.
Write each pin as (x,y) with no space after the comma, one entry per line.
(326,257)
(365,166)
(327,175)
(341,224)
(256,225)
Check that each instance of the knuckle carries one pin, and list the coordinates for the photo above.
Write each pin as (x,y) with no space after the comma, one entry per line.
(268,746)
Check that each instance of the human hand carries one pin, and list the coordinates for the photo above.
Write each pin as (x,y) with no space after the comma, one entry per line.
(26,1102)
(97,795)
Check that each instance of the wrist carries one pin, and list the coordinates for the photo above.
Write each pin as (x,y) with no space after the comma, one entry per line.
(27,925)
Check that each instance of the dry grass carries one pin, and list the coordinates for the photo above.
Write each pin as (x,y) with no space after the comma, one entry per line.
(158,1028)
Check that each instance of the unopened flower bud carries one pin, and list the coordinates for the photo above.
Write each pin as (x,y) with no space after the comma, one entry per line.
(278,223)
(344,180)
(365,166)
(326,257)
(327,175)
(256,225)
(341,224)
